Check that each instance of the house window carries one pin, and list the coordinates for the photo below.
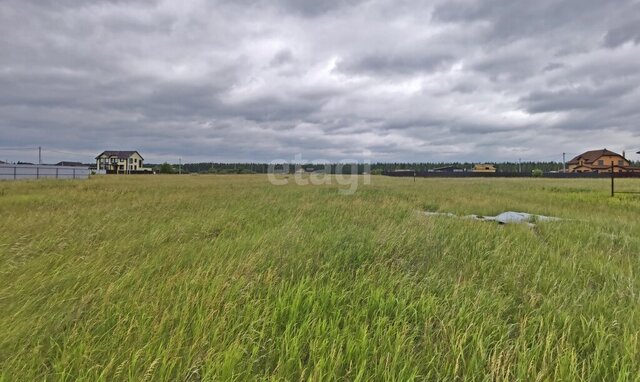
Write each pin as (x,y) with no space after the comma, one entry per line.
(620,162)
(601,162)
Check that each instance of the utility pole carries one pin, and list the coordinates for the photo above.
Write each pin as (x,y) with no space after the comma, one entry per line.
(520,165)
(179,166)
(564,163)
(39,154)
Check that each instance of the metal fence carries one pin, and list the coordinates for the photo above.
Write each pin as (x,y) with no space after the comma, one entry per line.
(33,171)
(615,175)
(469,174)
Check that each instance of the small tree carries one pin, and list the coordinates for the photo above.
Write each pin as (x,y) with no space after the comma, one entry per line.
(166,168)
(536,173)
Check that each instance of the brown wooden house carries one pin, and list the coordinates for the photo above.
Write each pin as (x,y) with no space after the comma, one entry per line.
(601,161)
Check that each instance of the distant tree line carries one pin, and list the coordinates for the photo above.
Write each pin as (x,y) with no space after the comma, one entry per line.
(374,168)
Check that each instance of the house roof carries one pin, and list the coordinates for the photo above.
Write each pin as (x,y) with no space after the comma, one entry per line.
(592,156)
(119,154)
(447,168)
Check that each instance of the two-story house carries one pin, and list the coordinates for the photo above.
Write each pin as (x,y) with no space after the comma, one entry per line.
(601,161)
(120,162)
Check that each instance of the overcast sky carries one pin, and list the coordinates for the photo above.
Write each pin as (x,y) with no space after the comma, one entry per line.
(380,80)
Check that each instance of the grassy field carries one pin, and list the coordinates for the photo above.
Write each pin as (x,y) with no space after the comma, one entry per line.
(231,278)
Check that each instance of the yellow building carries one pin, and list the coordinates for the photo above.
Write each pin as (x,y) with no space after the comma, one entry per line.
(121,162)
(600,161)
(484,167)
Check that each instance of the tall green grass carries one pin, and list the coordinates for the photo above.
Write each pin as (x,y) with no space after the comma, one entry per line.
(231,278)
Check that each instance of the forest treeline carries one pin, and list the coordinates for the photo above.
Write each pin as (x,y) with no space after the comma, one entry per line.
(360,168)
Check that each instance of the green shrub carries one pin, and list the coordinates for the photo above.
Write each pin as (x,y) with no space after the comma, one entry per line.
(166,168)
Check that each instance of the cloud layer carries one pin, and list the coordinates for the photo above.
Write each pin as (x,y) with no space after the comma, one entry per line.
(369,80)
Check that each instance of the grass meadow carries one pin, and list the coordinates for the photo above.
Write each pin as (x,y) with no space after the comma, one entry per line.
(199,278)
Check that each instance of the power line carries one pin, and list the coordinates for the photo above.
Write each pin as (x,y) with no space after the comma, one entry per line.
(68,152)
(40,151)
(17,148)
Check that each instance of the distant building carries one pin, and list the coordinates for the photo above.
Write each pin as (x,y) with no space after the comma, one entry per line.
(120,162)
(71,164)
(449,169)
(484,167)
(601,161)
(404,171)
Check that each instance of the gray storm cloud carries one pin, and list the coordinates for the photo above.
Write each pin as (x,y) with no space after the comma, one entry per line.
(370,80)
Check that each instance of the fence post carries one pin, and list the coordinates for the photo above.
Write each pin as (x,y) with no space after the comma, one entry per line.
(612,185)
(37,172)
(15,172)
(56,173)
(74,173)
